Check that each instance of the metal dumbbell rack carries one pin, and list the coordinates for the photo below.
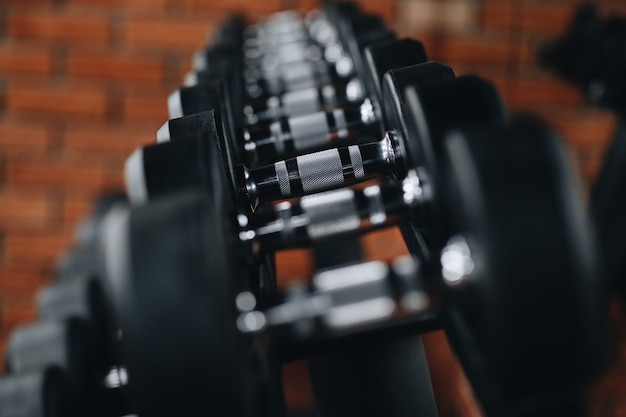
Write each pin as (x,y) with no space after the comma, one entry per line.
(275,143)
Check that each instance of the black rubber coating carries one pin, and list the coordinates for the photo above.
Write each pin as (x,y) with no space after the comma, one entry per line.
(67,344)
(184,353)
(430,111)
(175,300)
(608,208)
(46,393)
(528,327)
(384,56)
(83,299)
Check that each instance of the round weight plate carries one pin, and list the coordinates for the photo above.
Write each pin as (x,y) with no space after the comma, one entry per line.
(67,344)
(535,312)
(83,299)
(421,113)
(219,93)
(178,267)
(441,103)
(409,128)
(196,99)
(46,393)
(172,166)
(77,263)
(608,205)
(86,234)
(357,32)
(384,56)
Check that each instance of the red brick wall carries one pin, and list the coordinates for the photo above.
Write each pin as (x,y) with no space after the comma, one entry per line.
(83,82)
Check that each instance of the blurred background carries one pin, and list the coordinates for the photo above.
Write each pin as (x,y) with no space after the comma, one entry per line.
(84,82)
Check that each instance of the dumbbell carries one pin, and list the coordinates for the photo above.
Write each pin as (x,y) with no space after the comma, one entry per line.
(519,261)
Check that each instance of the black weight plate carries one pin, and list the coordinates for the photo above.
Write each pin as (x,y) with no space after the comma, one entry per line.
(175,300)
(87,231)
(358,31)
(535,315)
(432,109)
(186,163)
(438,107)
(608,207)
(83,261)
(194,163)
(232,79)
(384,56)
(47,393)
(408,132)
(196,99)
(169,167)
(180,127)
(81,298)
(78,263)
(220,57)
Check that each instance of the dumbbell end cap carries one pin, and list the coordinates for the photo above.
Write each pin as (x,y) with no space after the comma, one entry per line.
(175,105)
(163,134)
(135,178)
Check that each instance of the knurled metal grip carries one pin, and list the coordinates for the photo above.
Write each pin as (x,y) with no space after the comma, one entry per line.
(320,170)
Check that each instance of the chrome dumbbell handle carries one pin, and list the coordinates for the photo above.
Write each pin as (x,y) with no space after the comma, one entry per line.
(319,171)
